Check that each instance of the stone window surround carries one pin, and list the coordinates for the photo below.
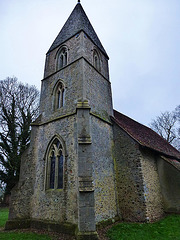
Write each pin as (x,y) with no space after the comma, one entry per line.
(96,59)
(59,96)
(48,163)
(58,93)
(61,57)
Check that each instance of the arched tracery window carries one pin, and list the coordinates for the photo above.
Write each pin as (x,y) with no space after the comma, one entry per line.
(59,96)
(62,58)
(55,163)
(96,60)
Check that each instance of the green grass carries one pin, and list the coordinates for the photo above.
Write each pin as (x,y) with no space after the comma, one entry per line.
(17,235)
(22,236)
(3,216)
(166,229)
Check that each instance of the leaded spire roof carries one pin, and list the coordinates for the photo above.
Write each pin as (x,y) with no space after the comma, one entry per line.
(77,21)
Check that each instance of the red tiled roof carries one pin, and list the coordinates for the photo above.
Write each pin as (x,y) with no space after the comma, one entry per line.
(145,136)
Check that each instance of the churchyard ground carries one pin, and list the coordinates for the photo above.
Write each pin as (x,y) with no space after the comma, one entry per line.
(166,229)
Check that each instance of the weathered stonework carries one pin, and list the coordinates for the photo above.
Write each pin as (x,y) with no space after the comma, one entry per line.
(152,191)
(107,173)
(103,170)
(169,178)
(129,177)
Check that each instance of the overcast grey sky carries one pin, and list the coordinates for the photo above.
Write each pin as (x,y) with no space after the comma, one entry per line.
(141,37)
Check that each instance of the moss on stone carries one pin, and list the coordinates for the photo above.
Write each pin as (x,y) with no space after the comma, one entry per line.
(105,223)
(104,117)
(66,228)
(17,224)
(53,119)
(87,236)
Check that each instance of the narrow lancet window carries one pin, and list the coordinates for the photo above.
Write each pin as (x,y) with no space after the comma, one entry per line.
(96,60)
(59,96)
(55,165)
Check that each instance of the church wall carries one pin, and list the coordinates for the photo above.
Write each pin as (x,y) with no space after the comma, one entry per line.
(56,205)
(129,177)
(74,46)
(20,206)
(170,186)
(103,170)
(72,78)
(78,46)
(88,48)
(98,92)
(152,191)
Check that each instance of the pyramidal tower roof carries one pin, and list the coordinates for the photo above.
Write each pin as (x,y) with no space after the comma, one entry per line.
(77,21)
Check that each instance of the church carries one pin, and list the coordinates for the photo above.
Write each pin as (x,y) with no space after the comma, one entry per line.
(88,164)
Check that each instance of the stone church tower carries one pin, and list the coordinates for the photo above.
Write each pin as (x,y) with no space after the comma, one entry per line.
(86,162)
(70,160)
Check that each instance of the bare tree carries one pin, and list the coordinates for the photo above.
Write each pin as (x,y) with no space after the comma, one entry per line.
(177,140)
(167,126)
(164,125)
(19,104)
(177,112)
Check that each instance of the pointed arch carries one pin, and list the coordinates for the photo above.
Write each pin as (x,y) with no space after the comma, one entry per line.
(55,160)
(96,59)
(61,57)
(58,95)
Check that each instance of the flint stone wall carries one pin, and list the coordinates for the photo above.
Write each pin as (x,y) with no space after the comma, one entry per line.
(169,178)
(152,190)
(74,46)
(72,78)
(56,205)
(138,185)
(98,92)
(20,205)
(103,170)
(129,178)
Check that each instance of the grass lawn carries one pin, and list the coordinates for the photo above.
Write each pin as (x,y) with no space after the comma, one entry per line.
(23,236)
(17,235)
(3,216)
(166,229)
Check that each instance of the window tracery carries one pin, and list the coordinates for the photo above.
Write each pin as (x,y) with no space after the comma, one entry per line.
(55,163)
(62,58)
(59,96)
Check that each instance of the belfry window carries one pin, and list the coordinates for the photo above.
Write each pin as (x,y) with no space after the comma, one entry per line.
(59,98)
(55,163)
(62,58)
(96,60)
